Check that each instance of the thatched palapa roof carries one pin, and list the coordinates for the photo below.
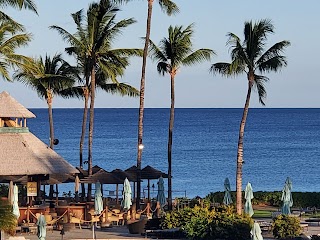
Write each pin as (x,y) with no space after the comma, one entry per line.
(25,154)
(9,107)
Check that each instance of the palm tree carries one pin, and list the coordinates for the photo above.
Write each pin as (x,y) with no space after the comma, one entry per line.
(11,38)
(18,4)
(172,53)
(48,77)
(170,8)
(92,46)
(250,57)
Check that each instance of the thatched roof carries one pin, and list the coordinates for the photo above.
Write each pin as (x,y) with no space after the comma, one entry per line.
(123,175)
(103,177)
(9,107)
(25,154)
(147,172)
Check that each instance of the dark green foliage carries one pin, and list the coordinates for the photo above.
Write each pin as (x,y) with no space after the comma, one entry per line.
(286,227)
(8,221)
(4,190)
(205,223)
(300,199)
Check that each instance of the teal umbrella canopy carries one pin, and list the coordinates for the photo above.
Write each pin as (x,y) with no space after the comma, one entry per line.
(98,204)
(286,197)
(15,206)
(41,224)
(256,232)
(248,195)
(126,197)
(227,195)
(161,198)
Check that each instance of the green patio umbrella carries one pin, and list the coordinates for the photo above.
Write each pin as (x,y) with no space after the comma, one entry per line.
(286,197)
(98,204)
(256,232)
(126,195)
(15,206)
(227,196)
(41,224)
(161,198)
(248,195)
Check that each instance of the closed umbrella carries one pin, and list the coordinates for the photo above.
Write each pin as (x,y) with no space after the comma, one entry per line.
(256,232)
(286,197)
(10,193)
(126,195)
(160,196)
(248,195)
(76,188)
(41,223)
(98,204)
(227,196)
(15,206)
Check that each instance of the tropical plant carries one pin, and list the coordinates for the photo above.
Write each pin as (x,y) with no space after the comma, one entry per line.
(48,77)
(11,38)
(249,58)
(91,44)
(18,4)
(170,8)
(286,227)
(172,53)
(8,220)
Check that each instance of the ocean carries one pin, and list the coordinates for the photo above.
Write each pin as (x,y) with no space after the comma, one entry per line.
(278,143)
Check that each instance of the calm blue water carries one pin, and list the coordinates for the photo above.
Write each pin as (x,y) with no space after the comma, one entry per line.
(278,143)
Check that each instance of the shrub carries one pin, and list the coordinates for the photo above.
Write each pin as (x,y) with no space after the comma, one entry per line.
(205,223)
(286,227)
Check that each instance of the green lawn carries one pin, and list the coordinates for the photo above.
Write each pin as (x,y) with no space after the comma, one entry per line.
(262,214)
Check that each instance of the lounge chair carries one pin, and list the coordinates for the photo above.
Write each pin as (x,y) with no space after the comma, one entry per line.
(77,220)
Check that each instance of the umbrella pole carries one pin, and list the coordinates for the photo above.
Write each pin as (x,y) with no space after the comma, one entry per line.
(148,190)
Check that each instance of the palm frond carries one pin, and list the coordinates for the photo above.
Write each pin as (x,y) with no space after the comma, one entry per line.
(273,51)
(273,64)
(155,53)
(163,67)
(259,82)
(198,56)
(169,7)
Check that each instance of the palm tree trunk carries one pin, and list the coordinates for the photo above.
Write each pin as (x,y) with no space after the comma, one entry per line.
(91,121)
(141,106)
(50,115)
(240,150)
(84,123)
(171,122)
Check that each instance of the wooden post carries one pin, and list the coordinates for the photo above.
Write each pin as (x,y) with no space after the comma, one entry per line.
(16,122)
(25,122)
(28,214)
(148,209)
(158,211)
(117,194)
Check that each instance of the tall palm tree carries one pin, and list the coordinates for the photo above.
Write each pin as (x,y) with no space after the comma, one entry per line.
(170,8)
(92,44)
(18,4)
(48,77)
(11,38)
(172,53)
(250,57)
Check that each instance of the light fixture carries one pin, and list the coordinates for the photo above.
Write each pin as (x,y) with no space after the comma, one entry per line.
(140,146)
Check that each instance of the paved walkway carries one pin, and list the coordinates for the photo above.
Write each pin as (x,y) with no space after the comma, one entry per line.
(116,232)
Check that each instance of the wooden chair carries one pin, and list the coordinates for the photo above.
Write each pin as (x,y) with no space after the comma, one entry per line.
(76,220)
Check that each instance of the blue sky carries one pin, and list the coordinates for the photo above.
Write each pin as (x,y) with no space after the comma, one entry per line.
(295,86)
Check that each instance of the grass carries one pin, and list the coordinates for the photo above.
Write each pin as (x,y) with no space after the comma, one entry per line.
(262,214)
